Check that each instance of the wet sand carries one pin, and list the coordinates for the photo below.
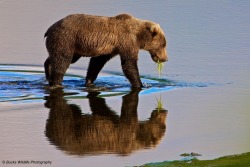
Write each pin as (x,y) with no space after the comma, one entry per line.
(207,107)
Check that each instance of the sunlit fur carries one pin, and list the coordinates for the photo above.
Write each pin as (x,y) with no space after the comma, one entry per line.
(101,38)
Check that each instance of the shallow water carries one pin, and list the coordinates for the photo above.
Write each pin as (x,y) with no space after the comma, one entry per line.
(28,83)
(204,89)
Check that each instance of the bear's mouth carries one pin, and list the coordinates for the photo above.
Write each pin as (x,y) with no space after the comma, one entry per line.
(157,59)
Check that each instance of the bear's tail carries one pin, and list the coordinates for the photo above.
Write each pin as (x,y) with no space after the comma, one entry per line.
(46,34)
(53,28)
(50,29)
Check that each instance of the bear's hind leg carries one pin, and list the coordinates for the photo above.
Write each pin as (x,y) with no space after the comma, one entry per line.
(95,66)
(59,66)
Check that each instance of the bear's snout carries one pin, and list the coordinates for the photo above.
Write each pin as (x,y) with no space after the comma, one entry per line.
(159,55)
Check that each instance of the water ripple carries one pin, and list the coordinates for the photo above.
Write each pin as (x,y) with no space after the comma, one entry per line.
(23,82)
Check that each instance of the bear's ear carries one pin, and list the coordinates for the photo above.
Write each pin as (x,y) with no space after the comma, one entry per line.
(155,29)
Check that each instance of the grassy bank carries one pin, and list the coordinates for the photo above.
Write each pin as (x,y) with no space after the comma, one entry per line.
(241,160)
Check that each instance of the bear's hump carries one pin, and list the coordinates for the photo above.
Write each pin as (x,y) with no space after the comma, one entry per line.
(123,16)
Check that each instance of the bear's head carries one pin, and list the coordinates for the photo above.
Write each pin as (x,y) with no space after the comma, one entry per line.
(155,42)
(157,47)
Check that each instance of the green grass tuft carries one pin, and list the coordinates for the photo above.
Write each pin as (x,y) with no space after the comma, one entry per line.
(159,68)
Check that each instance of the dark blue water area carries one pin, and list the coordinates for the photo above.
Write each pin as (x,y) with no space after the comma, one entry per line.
(25,86)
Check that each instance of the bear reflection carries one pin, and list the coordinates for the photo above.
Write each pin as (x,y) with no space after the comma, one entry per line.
(103,131)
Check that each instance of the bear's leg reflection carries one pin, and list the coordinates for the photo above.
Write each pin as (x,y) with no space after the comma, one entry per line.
(103,131)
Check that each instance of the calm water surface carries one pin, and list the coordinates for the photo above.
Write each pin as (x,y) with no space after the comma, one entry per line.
(205,90)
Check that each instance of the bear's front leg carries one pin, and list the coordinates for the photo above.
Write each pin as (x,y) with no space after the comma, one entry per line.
(130,70)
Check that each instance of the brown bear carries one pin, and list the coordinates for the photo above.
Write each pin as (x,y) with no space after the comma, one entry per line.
(101,38)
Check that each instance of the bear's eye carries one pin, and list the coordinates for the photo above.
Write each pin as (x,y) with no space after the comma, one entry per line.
(154,34)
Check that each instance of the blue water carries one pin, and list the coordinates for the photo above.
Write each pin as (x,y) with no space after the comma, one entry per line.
(32,86)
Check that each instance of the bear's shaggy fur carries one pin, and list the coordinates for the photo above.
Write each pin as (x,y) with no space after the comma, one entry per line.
(101,38)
